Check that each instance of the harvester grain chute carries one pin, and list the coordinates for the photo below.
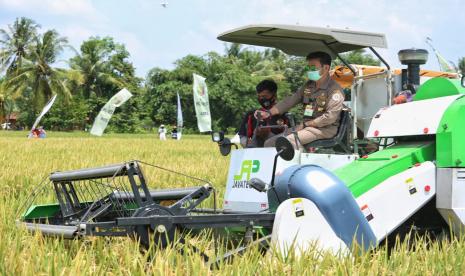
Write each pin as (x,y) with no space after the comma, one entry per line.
(335,198)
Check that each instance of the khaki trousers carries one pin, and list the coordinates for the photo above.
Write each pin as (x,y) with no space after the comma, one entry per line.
(306,135)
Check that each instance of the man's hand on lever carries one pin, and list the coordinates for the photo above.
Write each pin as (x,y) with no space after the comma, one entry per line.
(263,115)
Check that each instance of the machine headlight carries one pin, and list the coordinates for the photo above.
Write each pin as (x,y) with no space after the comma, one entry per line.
(218,136)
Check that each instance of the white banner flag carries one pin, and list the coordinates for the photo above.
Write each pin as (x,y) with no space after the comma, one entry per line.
(44,111)
(180,120)
(202,106)
(444,65)
(105,114)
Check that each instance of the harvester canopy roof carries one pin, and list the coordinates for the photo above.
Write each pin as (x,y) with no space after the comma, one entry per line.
(301,40)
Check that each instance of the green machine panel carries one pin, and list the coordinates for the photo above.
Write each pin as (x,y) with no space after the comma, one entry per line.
(365,173)
(450,136)
(439,87)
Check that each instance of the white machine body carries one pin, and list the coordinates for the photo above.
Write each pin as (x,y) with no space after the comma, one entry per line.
(372,94)
(397,198)
(408,119)
(299,226)
(386,207)
(450,199)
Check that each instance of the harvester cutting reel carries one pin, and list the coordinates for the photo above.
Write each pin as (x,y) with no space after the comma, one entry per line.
(116,200)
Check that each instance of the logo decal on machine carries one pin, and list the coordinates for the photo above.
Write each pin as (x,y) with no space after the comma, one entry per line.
(367,212)
(247,168)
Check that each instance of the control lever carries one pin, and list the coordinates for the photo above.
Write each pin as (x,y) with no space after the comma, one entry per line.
(291,119)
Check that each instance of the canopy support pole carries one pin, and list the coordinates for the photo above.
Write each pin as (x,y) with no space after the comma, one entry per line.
(343,60)
(380,58)
(388,77)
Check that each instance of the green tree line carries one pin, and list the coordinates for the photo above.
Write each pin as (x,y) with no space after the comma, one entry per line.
(31,71)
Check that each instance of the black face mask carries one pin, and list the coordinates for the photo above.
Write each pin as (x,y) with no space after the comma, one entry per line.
(266,103)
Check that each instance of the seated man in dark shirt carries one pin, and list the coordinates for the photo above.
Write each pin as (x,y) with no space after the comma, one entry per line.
(250,135)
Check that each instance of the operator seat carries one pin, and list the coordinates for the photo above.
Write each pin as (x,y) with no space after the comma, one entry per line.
(338,140)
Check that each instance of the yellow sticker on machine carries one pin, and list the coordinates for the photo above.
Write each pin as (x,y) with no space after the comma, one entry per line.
(298,205)
(296,200)
(409,180)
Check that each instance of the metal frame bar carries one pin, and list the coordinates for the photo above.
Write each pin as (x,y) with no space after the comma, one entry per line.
(201,221)
(347,64)
(65,231)
(109,228)
(370,76)
(388,77)
(380,57)
(66,204)
(189,202)
(125,226)
(132,171)
(89,173)
(343,60)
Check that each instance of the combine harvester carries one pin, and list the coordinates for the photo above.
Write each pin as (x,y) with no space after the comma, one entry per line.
(297,198)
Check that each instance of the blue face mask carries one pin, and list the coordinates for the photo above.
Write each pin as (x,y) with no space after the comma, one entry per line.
(313,75)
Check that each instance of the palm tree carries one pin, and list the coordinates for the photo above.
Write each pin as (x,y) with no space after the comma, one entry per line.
(15,42)
(233,49)
(38,74)
(94,65)
(272,64)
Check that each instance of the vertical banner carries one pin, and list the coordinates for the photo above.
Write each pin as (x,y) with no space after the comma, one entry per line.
(180,119)
(444,64)
(202,106)
(105,114)
(44,111)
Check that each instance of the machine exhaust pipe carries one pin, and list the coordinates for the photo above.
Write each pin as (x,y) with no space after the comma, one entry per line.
(413,58)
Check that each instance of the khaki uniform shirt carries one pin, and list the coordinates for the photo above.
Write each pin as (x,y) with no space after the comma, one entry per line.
(323,105)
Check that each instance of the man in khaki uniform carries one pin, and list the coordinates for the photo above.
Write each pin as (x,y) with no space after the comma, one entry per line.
(322,100)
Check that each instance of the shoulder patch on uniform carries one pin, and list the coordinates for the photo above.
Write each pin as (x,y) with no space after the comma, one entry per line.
(337,95)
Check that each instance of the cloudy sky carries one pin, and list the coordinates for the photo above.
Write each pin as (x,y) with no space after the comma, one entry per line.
(157,36)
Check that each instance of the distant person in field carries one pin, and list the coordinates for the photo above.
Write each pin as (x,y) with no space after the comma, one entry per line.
(42,133)
(162,132)
(250,135)
(174,132)
(35,133)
